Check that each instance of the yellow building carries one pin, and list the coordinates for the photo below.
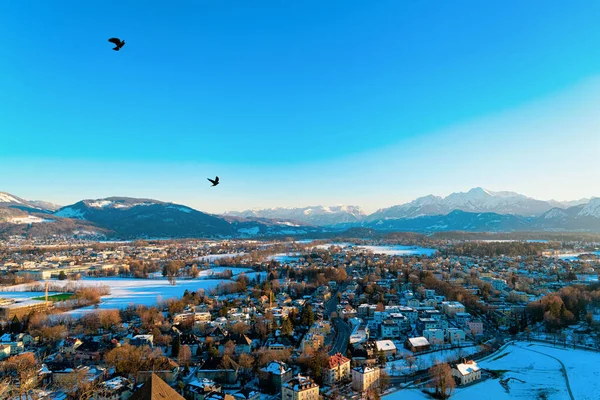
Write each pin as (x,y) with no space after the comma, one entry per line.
(300,388)
(365,378)
(337,370)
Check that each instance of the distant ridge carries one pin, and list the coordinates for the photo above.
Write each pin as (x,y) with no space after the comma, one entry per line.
(134,218)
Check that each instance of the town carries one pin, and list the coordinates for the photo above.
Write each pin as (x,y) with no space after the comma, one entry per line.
(400,317)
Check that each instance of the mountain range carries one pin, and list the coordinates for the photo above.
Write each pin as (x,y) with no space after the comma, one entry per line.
(477,210)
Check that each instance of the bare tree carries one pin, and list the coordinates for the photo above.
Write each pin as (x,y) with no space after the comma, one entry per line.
(79,385)
(22,371)
(442,380)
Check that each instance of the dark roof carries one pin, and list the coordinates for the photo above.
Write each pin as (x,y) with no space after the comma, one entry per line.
(155,389)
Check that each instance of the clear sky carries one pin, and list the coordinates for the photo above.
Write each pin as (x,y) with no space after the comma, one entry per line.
(296,103)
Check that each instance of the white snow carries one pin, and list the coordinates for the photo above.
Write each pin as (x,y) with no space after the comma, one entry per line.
(69,212)
(100,203)
(591,209)
(555,213)
(532,374)
(126,291)
(213,257)
(6,198)
(30,219)
(398,250)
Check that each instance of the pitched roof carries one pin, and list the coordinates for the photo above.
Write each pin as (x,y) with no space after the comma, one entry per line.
(467,367)
(156,389)
(337,360)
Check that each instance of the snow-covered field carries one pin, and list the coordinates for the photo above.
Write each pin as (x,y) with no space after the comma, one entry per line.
(213,257)
(284,257)
(531,373)
(426,361)
(126,291)
(399,250)
(30,219)
(573,256)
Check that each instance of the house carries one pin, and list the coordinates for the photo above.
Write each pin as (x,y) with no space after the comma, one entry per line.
(475,327)
(417,344)
(69,345)
(300,388)
(389,329)
(450,308)
(434,336)
(211,369)
(455,335)
(166,369)
(15,344)
(467,372)
(313,341)
(462,318)
(198,389)
(155,389)
(242,343)
(117,388)
(275,374)
(142,340)
(246,394)
(337,370)
(386,346)
(365,378)
(427,323)
(4,351)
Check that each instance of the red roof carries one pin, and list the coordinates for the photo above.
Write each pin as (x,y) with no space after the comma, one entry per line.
(337,360)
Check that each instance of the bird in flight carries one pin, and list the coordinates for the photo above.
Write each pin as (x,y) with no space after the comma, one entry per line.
(117,42)
(214,182)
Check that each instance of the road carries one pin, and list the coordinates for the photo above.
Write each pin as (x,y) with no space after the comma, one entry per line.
(342,337)
(342,328)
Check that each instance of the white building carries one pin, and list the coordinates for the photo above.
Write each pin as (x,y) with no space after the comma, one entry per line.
(467,372)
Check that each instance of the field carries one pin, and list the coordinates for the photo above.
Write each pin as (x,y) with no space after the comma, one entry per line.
(530,372)
(55,297)
(127,291)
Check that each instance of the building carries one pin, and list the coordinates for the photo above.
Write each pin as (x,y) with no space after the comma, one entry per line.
(434,336)
(389,329)
(246,394)
(312,341)
(417,344)
(142,340)
(117,388)
(455,335)
(155,389)
(475,327)
(273,376)
(364,378)
(337,370)
(462,318)
(467,372)
(11,308)
(300,388)
(386,346)
(450,308)
(242,343)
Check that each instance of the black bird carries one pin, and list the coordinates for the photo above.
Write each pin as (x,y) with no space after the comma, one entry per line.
(117,42)
(214,182)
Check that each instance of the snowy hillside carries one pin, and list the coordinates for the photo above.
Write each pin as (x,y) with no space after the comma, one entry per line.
(314,215)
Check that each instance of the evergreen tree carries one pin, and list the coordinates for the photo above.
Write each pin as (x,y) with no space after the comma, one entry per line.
(286,327)
(15,325)
(175,346)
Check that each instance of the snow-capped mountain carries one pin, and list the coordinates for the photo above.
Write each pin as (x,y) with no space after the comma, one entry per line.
(12,201)
(580,217)
(477,200)
(126,217)
(314,215)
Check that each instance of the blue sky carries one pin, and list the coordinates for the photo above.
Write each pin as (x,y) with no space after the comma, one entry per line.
(298,103)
